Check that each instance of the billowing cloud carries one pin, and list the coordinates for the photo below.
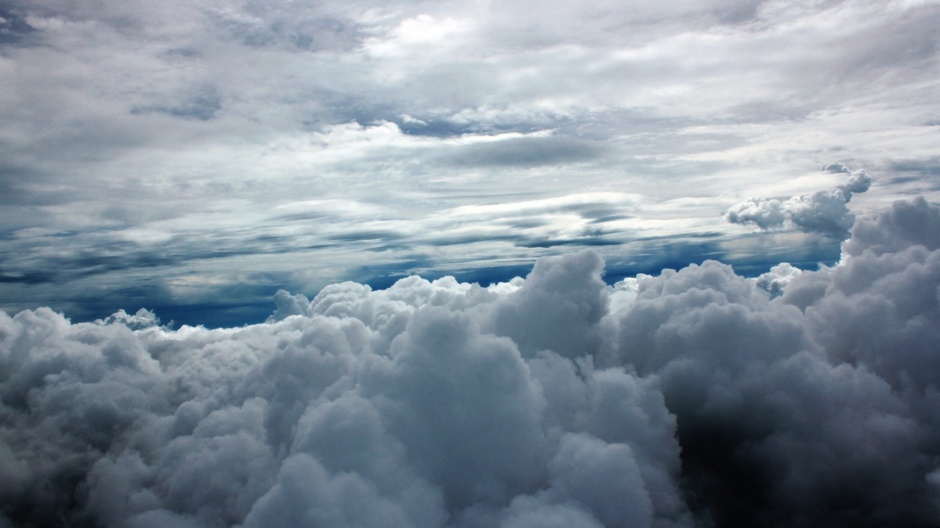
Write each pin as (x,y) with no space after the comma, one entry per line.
(907,223)
(765,213)
(823,212)
(686,398)
(775,280)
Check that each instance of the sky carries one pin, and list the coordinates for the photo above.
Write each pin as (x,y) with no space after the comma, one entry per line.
(469,264)
(194,157)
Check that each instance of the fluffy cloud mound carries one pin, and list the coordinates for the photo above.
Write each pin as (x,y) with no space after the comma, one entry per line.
(823,212)
(690,398)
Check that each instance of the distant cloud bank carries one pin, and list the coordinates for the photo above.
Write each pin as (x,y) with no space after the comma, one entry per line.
(689,398)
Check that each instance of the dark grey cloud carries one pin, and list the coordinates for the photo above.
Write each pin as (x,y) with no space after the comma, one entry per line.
(907,223)
(357,236)
(586,241)
(414,125)
(201,106)
(474,238)
(14,29)
(917,173)
(610,218)
(908,44)
(527,152)
(749,458)
(315,28)
(836,167)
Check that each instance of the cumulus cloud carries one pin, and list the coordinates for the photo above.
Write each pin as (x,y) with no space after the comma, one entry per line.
(687,398)
(765,213)
(823,212)
(779,276)
(907,223)
(143,318)
(288,305)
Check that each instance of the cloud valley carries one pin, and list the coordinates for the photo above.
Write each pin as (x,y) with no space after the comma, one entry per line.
(694,397)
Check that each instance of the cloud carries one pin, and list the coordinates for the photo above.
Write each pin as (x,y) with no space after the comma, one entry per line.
(528,151)
(823,212)
(752,382)
(777,279)
(685,398)
(836,167)
(907,223)
(142,319)
(765,213)
(150,142)
(192,159)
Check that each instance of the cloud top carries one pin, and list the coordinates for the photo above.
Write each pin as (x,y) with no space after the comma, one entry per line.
(823,212)
(687,398)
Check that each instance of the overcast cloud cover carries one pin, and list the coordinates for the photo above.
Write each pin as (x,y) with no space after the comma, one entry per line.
(193,157)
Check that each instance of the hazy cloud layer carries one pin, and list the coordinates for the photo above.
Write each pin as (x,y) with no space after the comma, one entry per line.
(686,398)
(179,148)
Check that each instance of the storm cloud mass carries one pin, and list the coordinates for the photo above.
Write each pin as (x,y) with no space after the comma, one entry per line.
(688,398)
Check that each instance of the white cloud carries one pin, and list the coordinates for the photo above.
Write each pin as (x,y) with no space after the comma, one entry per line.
(419,35)
(777,279)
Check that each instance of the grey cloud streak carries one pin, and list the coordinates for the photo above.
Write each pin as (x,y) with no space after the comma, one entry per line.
(685,398)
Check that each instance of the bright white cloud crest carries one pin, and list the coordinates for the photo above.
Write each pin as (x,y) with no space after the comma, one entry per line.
(680,399)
